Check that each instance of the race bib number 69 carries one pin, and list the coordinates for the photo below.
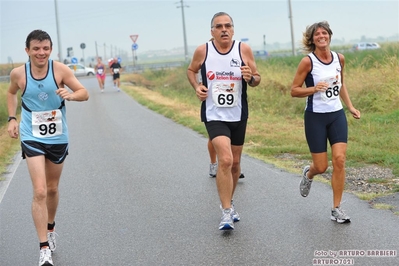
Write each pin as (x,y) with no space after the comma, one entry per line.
(47,124)
(224,94)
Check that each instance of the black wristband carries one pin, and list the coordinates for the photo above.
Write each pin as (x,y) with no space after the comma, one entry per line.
(11,118)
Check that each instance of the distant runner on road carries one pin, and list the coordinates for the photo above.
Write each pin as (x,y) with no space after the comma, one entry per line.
(100,73)
(116,69)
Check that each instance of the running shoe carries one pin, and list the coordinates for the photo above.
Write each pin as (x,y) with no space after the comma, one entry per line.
(226,222)
(338,215)
(51,240)
(45,257)
(306,183)
(234,215)
(213,168)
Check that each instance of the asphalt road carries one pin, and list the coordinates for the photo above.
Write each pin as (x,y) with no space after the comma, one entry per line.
(135,191)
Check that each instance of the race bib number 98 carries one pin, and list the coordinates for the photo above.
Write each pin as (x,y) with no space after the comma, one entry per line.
(225,94)
(47,123)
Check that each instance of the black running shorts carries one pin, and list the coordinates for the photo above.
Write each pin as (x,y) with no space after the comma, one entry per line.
(320,127)
(56,153)
(234,130)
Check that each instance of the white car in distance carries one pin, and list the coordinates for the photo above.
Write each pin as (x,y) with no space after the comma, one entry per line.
(81,70)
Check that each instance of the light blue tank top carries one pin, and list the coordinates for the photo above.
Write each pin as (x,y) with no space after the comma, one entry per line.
(43,113)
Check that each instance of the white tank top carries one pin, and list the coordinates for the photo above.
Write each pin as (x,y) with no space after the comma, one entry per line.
(328,101)
(227,91)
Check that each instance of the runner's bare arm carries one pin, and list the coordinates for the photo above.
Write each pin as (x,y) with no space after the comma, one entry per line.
(249,70)
(17,79)
(65,76)
(195,65)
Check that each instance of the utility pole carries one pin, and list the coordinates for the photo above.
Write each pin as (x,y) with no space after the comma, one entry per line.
(182,6)
(264,42)
(292,29)
(58,32)
(105,53)
(96,50)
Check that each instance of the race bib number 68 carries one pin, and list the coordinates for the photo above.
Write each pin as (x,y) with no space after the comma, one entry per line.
(333,90)
(47,124)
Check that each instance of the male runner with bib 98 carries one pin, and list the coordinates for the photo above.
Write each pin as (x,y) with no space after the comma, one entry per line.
(322,72)
(227,68)
(43,129)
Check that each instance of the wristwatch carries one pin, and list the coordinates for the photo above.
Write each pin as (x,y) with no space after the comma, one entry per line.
(11,118)
(252,80)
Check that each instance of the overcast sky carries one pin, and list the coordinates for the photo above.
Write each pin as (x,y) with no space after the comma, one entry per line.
(159,25)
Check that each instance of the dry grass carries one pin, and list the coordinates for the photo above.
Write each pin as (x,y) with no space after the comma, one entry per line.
(8,147)
(155,97)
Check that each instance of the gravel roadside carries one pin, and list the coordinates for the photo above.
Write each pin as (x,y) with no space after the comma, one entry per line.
(369,179)
(372,179)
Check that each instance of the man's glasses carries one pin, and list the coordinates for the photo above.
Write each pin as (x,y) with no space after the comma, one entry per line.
(227,26)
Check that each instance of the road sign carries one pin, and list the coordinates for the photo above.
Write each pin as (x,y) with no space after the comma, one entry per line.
(74,60)
(135,46)
(69,52)
(134,37)
(244,39)
(82,46)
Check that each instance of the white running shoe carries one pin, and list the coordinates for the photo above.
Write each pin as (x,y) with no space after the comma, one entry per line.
(338,215)
(234,215)
(213,168)
(306,183)
(51,240)
(45,257)
(226,222)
